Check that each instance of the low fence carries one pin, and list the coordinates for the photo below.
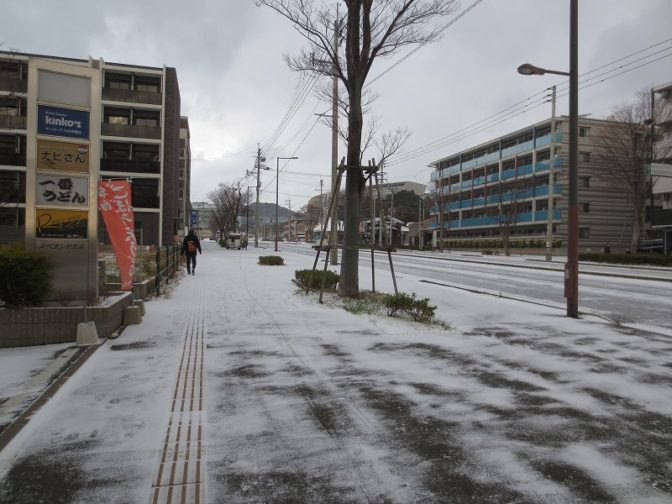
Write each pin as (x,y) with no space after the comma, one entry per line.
(48,325)
(152,265)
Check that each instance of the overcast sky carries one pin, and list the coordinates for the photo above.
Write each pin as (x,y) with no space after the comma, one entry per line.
(236,87)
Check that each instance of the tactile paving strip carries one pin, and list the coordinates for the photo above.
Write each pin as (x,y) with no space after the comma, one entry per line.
(179,476)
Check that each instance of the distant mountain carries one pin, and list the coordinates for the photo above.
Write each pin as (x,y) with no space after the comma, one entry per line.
(267,211)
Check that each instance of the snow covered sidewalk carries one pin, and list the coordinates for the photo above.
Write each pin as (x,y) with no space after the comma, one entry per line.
(308,403)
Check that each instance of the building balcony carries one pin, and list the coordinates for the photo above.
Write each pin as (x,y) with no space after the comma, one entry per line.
(495,199)
(131,96)
(144,201)
(494,157)
(131,131)
(13,85)
(130,166)
(12,159)
(491,221)
(12,122)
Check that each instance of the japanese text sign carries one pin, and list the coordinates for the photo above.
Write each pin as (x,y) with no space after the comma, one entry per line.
(114,203)
(62,190)
(62,156)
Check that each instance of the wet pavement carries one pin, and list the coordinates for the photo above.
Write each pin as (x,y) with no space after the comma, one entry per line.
(238,383)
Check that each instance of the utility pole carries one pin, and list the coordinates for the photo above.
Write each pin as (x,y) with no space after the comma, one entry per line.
(441,215)
(549,210)
(247,214)
(289,232)
(259,159)
(420,224)
(334,147)
(321,205)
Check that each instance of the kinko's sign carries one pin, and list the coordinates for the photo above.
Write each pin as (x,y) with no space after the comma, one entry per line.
(114,203)
(58,121)
(62,156)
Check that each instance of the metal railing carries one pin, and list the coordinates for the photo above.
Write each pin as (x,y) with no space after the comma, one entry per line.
(129,95)
(131,130)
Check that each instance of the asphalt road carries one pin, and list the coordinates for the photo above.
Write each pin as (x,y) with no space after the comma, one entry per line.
(623,294)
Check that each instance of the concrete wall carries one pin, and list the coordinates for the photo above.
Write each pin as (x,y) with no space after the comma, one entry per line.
(43,326)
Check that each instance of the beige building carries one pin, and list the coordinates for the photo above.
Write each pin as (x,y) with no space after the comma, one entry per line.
(521,178)
(133,130)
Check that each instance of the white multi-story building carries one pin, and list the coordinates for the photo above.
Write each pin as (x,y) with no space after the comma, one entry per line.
(520,180)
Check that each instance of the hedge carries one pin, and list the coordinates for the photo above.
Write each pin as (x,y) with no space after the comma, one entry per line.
(653,259)
(25,275)
(331,279)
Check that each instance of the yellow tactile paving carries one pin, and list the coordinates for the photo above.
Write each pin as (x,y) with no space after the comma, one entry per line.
(178,478)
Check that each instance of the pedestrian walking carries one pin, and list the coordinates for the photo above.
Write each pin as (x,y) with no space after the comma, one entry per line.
(191,245)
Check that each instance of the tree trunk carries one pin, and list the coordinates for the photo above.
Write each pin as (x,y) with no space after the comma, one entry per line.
(348,285)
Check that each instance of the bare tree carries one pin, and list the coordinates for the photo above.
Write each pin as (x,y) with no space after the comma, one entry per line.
(312,214)
(372,30)
(508,213)
(228,200)
(626,150)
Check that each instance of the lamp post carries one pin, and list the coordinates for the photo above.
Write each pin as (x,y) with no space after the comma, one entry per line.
(277,178)
(572,265)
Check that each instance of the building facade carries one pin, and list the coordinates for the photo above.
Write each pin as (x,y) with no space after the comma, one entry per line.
(517,185)
(135,130)
(661,167)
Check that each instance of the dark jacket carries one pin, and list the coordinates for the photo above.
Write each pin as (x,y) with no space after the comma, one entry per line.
(185,244)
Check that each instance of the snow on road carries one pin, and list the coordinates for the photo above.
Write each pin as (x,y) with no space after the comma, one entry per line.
(310,403)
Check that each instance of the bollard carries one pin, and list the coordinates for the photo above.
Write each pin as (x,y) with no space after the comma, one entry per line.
(87,334)
(132,315)
(140,304)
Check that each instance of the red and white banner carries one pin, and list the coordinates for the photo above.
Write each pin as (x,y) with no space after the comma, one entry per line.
(114,203)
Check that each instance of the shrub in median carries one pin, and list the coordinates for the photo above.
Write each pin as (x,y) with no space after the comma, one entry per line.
(271,260)
(418,309)
(302,277)
(652,259)
(25,276)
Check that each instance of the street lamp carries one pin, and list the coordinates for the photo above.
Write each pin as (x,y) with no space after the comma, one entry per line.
(572,266)
(277,178)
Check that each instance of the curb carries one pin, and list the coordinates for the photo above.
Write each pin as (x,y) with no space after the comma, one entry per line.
(22,420)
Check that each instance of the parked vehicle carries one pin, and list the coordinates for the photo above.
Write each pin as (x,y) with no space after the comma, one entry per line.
(236,240)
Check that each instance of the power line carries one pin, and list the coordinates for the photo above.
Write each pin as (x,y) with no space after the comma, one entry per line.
(291,112)
(516,110)
(416,49)
(296,150)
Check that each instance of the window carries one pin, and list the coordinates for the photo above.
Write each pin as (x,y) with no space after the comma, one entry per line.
(117,116)
(8,143)
(584,131)
(146,121)
(148,84)
(584,157)
(585,207)
(145,193)
(584,232)
(584,181)
(114,150)
(117,81)
(144,152)
(180,193)
(181,175)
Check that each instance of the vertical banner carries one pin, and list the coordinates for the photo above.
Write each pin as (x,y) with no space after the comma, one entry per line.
(114,203)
